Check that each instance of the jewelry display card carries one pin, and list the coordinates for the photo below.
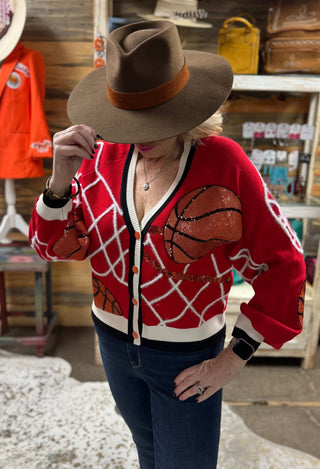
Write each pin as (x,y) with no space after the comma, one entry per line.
(276,150)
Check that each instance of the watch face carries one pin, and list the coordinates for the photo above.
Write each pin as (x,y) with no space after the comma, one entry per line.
(243,349)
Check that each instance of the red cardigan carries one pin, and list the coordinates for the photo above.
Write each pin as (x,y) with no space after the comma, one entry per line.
(165,283)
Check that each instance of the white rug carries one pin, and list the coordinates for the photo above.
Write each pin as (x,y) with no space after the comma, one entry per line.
(51,421)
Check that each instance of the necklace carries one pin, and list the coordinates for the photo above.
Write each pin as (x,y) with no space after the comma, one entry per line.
(146,185)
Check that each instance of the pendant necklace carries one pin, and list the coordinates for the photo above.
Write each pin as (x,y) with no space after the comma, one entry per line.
(146,185)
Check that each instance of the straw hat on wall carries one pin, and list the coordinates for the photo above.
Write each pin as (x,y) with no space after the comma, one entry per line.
(180,12)
(12,20)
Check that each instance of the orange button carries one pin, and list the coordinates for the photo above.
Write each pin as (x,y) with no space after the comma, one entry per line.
(137,235)
(134,335)
(135,269)
(134,301)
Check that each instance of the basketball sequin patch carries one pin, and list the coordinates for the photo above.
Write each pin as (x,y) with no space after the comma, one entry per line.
(203,219)
(104,299)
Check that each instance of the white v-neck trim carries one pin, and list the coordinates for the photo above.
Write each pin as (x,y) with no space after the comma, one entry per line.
(155,208)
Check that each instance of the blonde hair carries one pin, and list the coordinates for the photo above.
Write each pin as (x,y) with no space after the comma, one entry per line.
(208,128)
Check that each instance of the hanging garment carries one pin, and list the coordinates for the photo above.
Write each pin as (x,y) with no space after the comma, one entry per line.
(24,135)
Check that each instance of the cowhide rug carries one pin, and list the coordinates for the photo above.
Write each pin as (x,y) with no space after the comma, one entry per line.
(51,421)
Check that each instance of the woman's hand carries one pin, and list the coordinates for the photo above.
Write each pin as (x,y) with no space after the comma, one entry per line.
(70,147)
(211,374)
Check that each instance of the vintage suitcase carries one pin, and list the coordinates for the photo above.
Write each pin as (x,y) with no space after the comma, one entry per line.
(293,43)
(239,42)
(293,15)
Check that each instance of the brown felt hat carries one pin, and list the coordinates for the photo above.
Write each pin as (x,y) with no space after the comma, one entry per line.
(150,88)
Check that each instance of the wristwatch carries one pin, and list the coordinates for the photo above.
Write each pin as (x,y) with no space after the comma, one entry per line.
(243,349)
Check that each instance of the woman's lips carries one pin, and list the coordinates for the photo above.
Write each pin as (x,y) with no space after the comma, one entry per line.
(145,148)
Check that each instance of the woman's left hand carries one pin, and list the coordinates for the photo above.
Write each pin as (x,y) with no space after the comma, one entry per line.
(210,374)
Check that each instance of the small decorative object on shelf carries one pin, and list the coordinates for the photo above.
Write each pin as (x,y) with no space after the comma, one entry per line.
(100,33)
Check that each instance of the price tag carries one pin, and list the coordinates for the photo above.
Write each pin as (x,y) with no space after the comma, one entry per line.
(293,160)
(247,130)
(271,130)
(305,158)
(307,132)
(269,157)
(257,158)
(283,130)
(294,132)
(281,156)
(259,129)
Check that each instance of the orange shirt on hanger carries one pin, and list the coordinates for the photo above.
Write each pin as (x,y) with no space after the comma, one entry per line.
(24,135)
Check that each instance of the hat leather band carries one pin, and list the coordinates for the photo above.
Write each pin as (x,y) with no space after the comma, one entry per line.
(149,98)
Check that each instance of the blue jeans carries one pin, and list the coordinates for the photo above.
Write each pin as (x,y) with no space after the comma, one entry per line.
(168,433)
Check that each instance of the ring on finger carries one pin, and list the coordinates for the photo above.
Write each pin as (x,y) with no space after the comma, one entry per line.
(201,389)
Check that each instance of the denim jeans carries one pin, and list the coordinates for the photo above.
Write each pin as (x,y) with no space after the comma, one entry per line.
(168,433)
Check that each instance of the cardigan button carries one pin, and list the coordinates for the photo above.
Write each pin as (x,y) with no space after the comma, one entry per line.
(134,301)
(135,335)
(135,269)
(137,235)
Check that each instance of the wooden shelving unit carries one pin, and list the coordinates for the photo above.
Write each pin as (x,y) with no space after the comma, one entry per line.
(304,345)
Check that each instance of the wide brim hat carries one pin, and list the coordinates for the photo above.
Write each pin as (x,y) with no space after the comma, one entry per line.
(150,88)
(10,39)
(183,13)
(178,21)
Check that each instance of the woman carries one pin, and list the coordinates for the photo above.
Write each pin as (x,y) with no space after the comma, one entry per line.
(164,213)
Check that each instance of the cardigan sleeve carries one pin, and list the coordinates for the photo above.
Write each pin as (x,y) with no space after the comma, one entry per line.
(269,256)
(57,231)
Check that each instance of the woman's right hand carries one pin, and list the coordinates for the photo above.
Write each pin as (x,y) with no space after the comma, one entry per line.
(70,147)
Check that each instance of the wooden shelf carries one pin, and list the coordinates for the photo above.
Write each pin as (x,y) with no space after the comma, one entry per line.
(284,83)
(301,210)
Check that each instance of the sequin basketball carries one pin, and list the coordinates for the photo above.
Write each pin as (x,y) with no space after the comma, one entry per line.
(74,242)
(104,299)
(205,218)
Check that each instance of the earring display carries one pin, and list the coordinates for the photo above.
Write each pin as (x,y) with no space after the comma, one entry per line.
(276,150)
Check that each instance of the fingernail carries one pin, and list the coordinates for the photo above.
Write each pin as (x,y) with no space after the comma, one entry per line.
(99,137)
(174,394)
(174,384)
(95,146)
